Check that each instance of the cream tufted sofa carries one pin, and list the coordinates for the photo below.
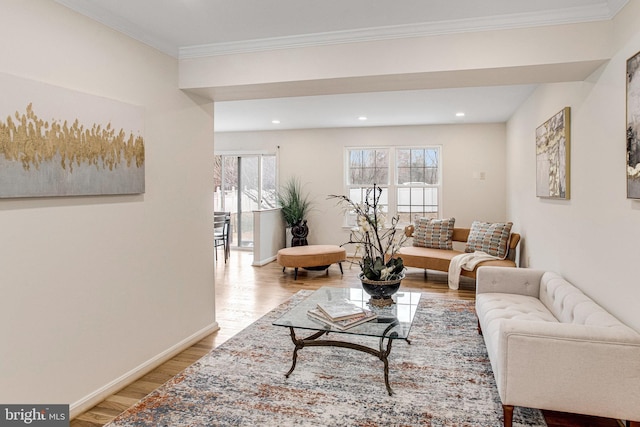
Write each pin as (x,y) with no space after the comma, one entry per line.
(552,347)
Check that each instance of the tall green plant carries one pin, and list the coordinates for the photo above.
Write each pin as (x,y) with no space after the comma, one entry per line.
(294,204)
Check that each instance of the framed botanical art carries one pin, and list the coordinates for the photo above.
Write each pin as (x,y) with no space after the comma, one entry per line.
(553,141)
(633,125)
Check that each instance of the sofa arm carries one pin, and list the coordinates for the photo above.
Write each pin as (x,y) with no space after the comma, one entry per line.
(522,281)
(568,367)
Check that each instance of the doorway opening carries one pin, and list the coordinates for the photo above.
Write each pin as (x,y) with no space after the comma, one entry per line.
(244,183)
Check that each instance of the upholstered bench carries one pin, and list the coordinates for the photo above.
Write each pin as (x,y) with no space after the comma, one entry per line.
(436,250)
(312,257)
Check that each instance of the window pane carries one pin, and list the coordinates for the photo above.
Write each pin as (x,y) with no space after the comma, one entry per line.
(268,182)
(230,178)
(417,175)
(432,165)
(358,195)
(404,175)
(417,196)
(403,157)
(431,202)
(417,171)
(418,165)
(383,202)
(368,158)
(417,202)
(404,200)
(217,183)
(381,177)
(368,167)
(382,158)
(417,158)
(355,194)
(355,158)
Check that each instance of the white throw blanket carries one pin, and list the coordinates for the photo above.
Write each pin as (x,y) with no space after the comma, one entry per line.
(468,262)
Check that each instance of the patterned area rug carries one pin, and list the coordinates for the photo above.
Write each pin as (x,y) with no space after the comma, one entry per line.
(443,378)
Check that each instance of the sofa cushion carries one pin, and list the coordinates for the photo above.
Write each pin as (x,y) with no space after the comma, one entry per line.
(570,305)
(434,233)
(494,308)
(439,259)
(427,258)
(491,238)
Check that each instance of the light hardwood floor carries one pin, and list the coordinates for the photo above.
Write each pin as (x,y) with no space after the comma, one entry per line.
(245,293)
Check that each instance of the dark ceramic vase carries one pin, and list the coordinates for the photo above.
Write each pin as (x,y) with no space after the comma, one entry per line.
(380,291)
(300,231)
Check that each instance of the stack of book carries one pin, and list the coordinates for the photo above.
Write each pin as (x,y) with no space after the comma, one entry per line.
(341,314)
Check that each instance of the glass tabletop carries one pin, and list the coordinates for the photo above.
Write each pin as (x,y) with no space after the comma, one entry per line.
(393,321)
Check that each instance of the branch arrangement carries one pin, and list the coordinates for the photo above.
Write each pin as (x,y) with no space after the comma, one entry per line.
(379,261)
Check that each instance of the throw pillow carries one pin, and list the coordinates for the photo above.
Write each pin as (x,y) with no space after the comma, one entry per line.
(492,238)
(434,233)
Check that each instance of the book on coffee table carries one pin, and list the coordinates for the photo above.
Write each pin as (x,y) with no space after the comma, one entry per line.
(365,316)
(340,309)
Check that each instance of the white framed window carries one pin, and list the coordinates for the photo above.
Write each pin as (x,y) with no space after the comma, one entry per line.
(365,167)
(418,177)
(410,178)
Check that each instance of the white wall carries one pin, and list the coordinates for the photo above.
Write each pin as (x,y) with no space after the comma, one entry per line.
(593,238)
(317,157)
(269,235)
(94,287)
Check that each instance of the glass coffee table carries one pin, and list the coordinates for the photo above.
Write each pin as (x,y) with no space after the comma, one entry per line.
(393,322)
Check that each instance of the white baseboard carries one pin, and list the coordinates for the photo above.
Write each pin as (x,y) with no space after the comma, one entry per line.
(260,263)
(102,393)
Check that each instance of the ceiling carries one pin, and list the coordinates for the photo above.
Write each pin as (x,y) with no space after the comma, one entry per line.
(417,107)
(191,28)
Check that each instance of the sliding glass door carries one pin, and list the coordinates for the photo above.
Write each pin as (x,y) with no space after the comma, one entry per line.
(242,184)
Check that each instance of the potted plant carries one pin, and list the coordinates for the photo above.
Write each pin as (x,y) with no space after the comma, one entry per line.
(294,206)
(382,271)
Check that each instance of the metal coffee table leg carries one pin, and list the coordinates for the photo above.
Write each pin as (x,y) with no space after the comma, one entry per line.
(312,340)
(300,343)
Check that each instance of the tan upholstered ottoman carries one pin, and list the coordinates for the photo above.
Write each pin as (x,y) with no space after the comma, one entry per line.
(312,257)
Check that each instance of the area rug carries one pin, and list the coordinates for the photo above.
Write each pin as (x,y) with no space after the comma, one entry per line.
(443,378)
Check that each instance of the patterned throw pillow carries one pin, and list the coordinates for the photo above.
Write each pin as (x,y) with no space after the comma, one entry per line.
(434,233)
(492,238)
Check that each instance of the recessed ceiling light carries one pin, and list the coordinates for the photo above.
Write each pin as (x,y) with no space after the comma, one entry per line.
(461,114)
(275,122)
(362,118)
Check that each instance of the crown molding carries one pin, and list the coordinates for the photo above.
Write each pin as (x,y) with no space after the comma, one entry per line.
(573,15)
(119,24)
(604,10)
(615,6)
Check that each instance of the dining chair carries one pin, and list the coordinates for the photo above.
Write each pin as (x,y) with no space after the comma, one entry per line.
(221,237)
